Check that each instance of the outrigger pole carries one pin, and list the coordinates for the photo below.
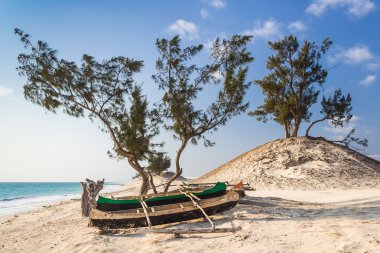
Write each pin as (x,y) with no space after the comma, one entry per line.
(192,197)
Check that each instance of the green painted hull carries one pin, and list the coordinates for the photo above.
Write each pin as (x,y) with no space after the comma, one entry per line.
(107,204)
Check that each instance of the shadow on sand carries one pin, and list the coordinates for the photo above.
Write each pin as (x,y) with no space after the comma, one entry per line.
(269,208)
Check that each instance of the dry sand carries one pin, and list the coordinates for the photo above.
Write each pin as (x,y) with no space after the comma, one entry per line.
(313,196)
(271,221)
(300,164)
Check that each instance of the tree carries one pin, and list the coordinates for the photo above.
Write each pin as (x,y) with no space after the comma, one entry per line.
(95,90)
(290,87)
(157,164)
(182,81)
(349,139)
(337,109)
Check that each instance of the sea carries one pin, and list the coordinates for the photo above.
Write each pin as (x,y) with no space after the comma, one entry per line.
(18,197)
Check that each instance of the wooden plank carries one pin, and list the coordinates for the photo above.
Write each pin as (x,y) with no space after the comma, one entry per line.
(195,231)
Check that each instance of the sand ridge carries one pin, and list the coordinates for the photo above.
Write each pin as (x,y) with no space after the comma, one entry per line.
(300,163)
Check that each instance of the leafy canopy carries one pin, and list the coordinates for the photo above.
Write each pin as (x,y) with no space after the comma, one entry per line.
(182,81)
(290,87)
(96,90)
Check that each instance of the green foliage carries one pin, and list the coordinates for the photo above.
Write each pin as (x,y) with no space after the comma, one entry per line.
(158,163)
(337,108)
(96,90)
(349,139)
(182,81)
(291,87)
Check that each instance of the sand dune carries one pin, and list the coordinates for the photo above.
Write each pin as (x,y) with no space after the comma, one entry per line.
(302,164)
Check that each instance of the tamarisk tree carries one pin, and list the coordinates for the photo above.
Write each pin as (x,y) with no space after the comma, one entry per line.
(337,109)
(291,87)
(95,90)
(182,81)
(349,139)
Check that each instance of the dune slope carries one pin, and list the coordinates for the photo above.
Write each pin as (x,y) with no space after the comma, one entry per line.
(300,163)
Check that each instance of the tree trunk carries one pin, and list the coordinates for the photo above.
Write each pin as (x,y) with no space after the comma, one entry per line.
(312,124)
(144,185)
(151,182)
(295,129)
(287,130)
(90,191)
(144,176)
(177,165)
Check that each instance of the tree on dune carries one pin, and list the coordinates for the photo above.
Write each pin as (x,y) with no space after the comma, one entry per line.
(336,108)
(182,81)
(96,90)
(292,86)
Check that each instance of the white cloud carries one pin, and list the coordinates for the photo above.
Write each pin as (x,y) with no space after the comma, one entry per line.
(210,42)
(376,157)
(353,7)
(184,28)
(353,55)
(297,26)
(367,130)
(5,91)
(368,80)
(354,119)
(205,13)
(217,4)
(339,133)
(373,65)
(268,29)
(218,76)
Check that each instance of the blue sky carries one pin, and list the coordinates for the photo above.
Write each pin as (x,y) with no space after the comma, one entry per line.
(39,146)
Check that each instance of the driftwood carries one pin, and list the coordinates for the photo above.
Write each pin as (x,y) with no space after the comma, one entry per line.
(178,232)
(175,232)
(90,191)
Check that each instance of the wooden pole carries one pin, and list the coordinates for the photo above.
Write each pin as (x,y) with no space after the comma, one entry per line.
(145,206)
(191,196)
(195,231)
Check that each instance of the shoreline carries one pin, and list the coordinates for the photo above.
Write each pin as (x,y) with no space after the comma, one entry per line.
(277,220)
(20,205)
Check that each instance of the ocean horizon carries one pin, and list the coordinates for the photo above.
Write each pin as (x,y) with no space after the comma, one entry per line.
(24,196)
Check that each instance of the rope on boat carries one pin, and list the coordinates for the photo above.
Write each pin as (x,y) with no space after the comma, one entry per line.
(145,206)
(192,197)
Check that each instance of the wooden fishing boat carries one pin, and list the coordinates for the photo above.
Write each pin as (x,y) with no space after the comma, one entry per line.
(162,214)
(133,202)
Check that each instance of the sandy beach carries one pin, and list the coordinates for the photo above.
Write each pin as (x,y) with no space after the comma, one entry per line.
(271,221)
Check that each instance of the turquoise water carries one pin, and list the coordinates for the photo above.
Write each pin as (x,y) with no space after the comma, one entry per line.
(16,197)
